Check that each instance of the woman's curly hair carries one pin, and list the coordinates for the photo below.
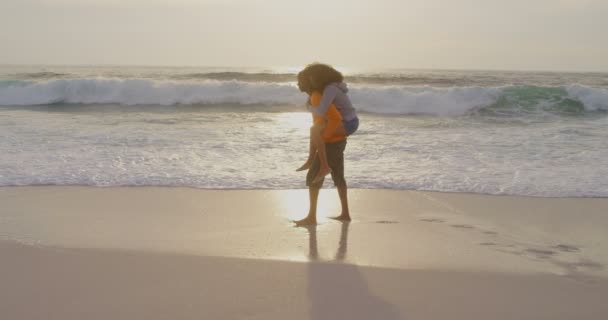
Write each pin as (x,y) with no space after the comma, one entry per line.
(319,75)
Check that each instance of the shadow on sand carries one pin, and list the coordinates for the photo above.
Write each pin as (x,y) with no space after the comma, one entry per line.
(339,290)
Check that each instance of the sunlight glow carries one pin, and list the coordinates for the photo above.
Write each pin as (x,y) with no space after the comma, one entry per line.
(294,203)
(300,121)
(296,120)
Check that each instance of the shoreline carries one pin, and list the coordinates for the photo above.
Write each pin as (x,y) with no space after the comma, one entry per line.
(466,193)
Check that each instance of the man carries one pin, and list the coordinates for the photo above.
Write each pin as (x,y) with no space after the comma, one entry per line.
(335,143)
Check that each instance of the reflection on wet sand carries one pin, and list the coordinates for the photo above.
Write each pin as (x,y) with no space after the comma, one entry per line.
(339,290)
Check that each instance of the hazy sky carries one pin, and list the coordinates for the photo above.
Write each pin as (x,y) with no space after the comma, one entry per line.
(358,34)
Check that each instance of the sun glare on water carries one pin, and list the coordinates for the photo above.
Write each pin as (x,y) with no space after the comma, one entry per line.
(295,120)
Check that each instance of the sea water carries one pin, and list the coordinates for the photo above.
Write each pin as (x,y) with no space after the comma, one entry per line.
(517,133)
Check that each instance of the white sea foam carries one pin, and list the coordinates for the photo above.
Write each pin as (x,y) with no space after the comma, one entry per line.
(593,99)
(451,101)
(424,100)
(145,92)
(260,150)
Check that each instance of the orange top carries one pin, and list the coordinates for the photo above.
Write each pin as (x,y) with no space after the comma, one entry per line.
(334,120)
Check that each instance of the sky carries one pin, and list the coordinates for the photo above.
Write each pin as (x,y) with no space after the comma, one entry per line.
(555,35)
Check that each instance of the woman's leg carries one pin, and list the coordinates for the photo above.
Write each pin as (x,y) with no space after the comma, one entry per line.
(311,153)
(315,141)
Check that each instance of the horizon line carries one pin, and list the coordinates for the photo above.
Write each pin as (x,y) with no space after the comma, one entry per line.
(291,67)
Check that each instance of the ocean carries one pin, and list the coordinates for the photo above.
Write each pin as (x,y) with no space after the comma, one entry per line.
(491,132)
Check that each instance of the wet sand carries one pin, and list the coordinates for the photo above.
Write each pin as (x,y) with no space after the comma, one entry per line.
(158,253)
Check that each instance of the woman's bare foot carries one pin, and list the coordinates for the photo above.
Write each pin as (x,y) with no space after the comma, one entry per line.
(342,217)
(308,221)
(322,173)
(305,166)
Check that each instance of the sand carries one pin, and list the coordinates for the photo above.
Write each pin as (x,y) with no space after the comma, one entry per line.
(178,253)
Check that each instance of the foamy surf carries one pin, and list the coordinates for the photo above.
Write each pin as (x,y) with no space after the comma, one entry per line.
(389,100)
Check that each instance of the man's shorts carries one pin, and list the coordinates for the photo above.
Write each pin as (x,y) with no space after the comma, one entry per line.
(335,159)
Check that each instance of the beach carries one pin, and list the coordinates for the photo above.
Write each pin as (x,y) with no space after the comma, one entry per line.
(185,253)
(153,157)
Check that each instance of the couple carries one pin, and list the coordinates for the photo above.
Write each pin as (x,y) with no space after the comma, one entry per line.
(334,119)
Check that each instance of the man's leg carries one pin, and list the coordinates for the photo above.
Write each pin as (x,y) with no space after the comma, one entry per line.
(343,194)
(313,194)
(322,150)
(311,218)
(335,157)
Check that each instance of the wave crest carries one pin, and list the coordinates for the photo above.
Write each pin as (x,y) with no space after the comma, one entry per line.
(146,92)
(398,100)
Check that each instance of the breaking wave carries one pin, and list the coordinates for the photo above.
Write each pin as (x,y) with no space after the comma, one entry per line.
(392,100)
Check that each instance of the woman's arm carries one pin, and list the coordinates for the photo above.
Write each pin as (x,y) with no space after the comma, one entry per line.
(329,94)
(334,120)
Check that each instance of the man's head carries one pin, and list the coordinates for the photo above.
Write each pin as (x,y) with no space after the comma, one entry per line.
(304,81)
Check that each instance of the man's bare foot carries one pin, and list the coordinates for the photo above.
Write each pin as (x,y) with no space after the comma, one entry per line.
(322,173)
(305,166)
(308,221)
(342,217)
